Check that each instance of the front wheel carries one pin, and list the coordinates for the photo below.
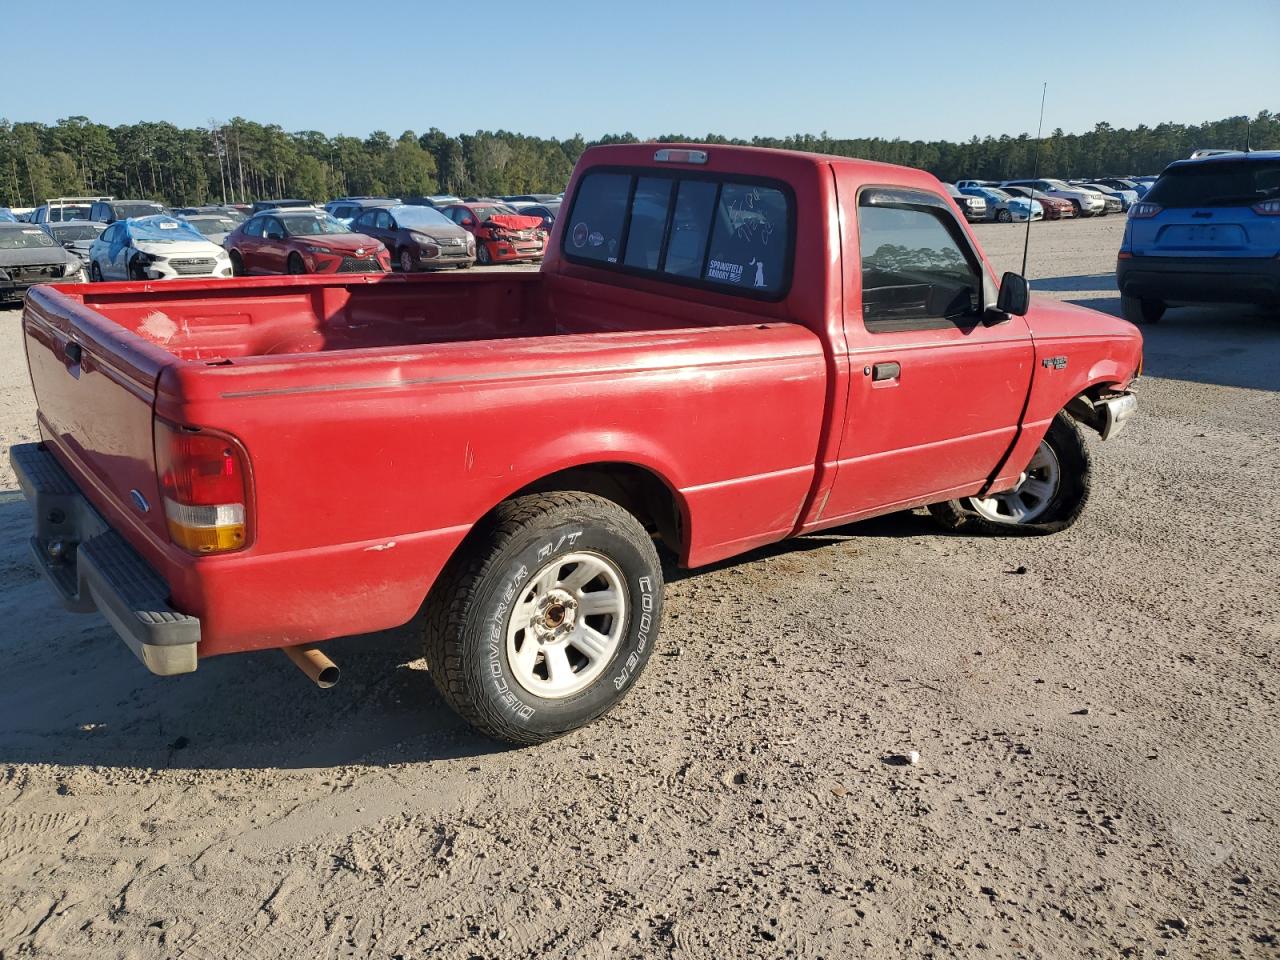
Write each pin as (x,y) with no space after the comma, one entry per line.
(295,264)
(95,272)
(546,617)
(1004,216)
(407,260)
(237,264)
(482,256)
(1138,310)
(1049,497)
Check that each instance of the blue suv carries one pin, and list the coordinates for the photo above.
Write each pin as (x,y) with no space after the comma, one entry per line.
(1208,231)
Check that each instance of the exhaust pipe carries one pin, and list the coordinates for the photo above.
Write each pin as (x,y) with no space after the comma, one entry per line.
(322,671)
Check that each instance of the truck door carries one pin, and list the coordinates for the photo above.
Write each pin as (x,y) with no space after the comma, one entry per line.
(937,384)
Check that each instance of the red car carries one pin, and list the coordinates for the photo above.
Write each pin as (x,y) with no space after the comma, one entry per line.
(502,235)
(724,347)
(302,241)
(1054,207)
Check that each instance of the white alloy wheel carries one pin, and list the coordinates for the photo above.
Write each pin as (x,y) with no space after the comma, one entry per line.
(1030,498)
(567,625)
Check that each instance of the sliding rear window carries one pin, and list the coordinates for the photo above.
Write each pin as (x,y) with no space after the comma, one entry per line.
(1217,183)
(717,233)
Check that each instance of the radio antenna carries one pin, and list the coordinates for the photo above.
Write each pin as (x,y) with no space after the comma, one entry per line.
(1035,175)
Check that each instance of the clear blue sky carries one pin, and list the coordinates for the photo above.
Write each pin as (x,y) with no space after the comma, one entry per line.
(557,67)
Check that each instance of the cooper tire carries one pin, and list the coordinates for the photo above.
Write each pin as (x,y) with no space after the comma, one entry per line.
(1141,311)
(477,619)
(1063,447)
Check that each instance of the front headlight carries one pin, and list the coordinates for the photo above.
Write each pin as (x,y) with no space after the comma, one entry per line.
(315,248)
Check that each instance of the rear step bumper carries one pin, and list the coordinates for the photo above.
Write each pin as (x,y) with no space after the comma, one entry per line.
(91,567)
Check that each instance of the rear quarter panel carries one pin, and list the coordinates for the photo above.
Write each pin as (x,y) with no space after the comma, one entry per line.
(370,467)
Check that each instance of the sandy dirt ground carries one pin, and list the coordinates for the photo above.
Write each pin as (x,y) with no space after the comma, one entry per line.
(1096,715)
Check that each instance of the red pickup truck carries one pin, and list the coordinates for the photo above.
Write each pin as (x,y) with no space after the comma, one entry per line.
(725,347)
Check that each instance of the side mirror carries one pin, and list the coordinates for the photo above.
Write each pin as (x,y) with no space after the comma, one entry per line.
(1015,295)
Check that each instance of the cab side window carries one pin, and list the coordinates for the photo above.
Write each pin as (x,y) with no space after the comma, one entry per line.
(918,272)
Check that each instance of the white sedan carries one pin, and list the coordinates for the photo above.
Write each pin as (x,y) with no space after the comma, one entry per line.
(155,248)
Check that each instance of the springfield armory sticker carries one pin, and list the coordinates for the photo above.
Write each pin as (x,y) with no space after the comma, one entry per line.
(728,272)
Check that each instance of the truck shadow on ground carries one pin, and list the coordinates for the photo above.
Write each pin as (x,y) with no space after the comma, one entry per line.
(72,694)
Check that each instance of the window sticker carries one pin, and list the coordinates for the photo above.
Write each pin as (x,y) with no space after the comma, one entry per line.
(580,233)
(721,270)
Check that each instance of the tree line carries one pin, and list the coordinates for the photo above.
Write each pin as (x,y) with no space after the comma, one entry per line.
(240,160)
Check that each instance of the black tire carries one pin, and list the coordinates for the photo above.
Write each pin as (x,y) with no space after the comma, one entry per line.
(95,272)
(237,264)
(295,265)
(467,614)
(407,261)
(482,256)
(1079,209)
(1065,505)
(1141,311)
(464,266)
(1004,216)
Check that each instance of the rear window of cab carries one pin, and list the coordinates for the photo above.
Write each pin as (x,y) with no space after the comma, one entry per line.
(724,234)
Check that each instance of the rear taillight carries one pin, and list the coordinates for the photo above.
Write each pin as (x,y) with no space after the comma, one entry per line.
(205,488)
(1142,211)
(1268,208)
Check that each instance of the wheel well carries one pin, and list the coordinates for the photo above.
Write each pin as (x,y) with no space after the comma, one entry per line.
(1083,409)
(641,492)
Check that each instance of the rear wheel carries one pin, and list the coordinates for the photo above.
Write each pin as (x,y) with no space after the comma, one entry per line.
(546,617)
(1140,310)
(1004,216)
(407,260)
(1050,495)
(295,264)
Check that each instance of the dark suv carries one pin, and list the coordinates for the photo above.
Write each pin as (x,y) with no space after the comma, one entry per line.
(1207,232)
(109,211)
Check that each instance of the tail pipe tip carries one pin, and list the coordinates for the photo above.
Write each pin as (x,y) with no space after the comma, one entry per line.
(322,671)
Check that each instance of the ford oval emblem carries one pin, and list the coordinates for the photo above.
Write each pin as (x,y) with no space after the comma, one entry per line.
(139,501)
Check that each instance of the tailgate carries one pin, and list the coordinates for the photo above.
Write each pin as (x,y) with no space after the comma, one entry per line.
(95,386)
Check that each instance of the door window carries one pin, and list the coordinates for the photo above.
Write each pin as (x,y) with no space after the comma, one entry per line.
(382,220)
(254,227)
(917,272)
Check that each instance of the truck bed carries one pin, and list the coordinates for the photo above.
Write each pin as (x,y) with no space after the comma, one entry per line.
(382,417)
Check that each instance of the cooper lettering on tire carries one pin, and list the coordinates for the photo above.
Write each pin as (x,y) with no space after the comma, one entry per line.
(546,617)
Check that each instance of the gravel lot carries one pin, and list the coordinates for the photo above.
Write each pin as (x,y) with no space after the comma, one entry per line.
(1096,714)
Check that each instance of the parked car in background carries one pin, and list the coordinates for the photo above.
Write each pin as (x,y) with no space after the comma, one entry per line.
(1053,207)
(547,212)
(1207,232)
(109,211)
(1121,184)
(1125,196)
(212,209)
(1115,203)
(155,248)
(346,209)
(28,255)
(419,238)
(1005,207)
(60,209)
(502,235)
(76,236)
(1087,203)
(962,184)
(973,207)
(6,216)
(531,198)
(260,205)
(296,240)
(214,227)
(435,200)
